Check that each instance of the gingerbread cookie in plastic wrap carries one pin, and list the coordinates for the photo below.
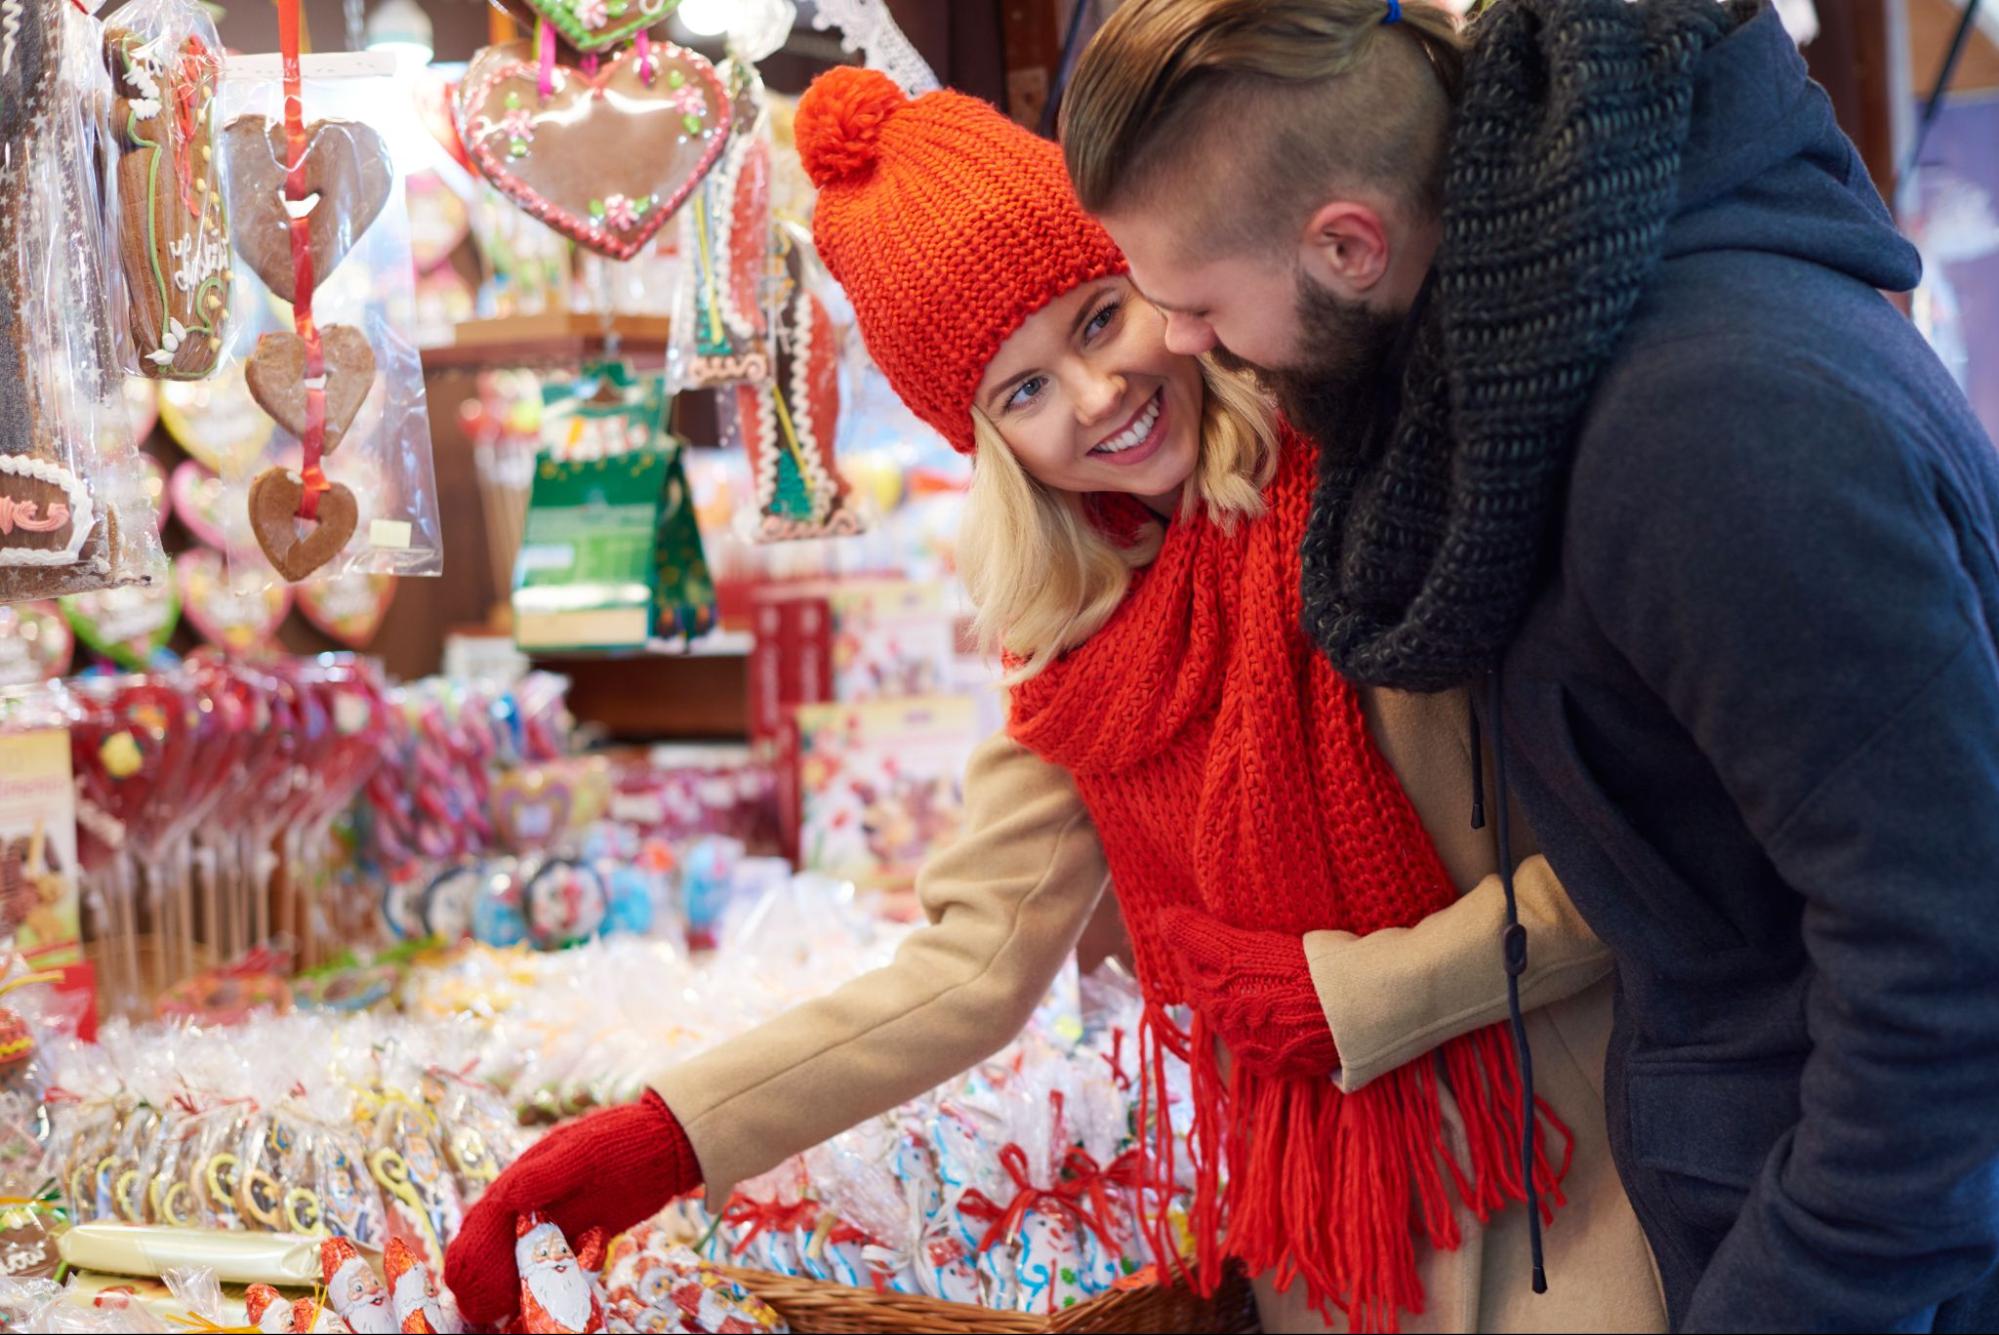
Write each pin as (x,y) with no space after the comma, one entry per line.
(789,425)
(172,231)
(74,515)
(721,329)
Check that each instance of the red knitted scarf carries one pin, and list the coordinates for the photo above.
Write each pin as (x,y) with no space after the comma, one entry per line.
(1228,768)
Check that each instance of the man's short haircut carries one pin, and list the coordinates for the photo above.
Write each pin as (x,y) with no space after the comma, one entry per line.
(1253,111)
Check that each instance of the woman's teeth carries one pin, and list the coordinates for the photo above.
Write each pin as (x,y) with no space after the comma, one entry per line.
(1135,434)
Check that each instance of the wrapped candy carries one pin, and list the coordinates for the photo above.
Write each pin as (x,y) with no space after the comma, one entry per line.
(413,1292)
(353,1290)
(556,1294)
(268,1310)
(652,1284)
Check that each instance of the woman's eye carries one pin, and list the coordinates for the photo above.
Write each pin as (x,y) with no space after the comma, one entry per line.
(1028,390)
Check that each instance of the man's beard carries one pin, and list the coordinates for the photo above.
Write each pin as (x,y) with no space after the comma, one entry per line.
(564,1295)
(1335,390)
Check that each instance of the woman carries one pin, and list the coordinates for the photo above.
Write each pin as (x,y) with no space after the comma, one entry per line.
(1131,544)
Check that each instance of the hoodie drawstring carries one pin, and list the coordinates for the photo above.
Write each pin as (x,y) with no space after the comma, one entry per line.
(1514,941)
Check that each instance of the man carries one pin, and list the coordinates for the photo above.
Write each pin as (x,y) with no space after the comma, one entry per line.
(1586,314)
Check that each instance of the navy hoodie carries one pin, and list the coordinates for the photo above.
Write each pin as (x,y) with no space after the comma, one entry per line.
(1754,720)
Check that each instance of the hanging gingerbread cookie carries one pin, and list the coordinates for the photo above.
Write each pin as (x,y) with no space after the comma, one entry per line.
(789,425)
(298,212)
(721,330)
(603,154)
(173,231)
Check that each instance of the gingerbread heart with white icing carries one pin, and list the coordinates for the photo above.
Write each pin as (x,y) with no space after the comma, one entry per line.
(276,374)
(608,156)
(348,175)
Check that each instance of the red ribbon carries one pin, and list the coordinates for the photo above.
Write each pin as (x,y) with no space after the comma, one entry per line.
(762,1215)
(1083,1180)
(313,473)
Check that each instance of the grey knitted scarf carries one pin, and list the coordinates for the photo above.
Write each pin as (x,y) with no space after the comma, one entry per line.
(1428,534)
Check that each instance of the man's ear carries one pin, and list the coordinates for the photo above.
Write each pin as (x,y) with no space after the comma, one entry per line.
(1345,247)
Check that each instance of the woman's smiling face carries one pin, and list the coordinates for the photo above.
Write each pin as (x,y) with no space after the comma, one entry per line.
(1089,399)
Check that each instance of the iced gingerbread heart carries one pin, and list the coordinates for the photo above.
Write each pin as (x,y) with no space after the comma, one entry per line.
(238,611)
(277,379)
(592,25)
(296,546)
(347,178)
(606,157)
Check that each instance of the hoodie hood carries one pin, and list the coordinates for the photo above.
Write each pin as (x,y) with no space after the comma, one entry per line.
(1767,168)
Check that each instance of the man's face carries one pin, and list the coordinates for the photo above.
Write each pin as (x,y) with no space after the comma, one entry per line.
(1244,305)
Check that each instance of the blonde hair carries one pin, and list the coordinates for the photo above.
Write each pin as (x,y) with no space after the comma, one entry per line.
(1044,577)
(1270,103)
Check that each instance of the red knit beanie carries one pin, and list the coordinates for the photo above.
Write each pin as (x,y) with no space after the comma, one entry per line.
(947,224)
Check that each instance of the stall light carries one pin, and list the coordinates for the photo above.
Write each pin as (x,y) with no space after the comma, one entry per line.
(401,28)
(705,18)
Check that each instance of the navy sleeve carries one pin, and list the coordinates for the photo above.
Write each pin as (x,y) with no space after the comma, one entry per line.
(1776,559)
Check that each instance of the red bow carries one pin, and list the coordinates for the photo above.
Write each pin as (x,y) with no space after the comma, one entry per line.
(1082,1179)
(761,1215)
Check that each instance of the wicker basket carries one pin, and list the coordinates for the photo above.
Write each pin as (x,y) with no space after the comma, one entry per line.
(810,1306)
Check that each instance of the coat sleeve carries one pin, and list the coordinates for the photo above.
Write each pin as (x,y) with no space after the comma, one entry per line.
(1393,995)
(1788,569)
(1005,905)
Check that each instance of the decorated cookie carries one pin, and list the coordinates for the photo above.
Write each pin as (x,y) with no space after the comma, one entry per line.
(788,426)
(350,607)
(201,503)
(295,546)
(725,241)
(173,233)
(606,156)
(593,25)
(565,902)
(277,380)
(129,626)
(216,421)
(347,167)
(237,610)
(45,512)
(36,644)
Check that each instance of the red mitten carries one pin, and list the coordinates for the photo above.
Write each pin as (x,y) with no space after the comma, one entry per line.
(609,1170)
(1254,990)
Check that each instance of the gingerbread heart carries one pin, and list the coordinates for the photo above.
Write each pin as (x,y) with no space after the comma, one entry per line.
(297,547)
(607,156)
(276,375)
(129,625)
(592,25)
(348,175)
(216,421)
(238,611)
(349,608)
(201,503)
(35,643)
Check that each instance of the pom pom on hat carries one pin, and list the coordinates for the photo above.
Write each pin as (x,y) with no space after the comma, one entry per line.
(839,123)
(946,224)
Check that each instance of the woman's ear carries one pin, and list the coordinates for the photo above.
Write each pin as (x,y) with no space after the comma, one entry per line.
(1344,247)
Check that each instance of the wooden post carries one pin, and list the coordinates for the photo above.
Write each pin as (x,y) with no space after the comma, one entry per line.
(1860,58)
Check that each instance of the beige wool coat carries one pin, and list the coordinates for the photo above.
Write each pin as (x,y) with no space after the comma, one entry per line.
(1008,901)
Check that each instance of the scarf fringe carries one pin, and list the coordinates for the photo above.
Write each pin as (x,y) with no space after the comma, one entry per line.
(1333,1189)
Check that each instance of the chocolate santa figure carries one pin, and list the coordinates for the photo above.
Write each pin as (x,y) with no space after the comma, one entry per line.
(413,1293)
(311,1318)
(269,1312)
(353,1290)
(556,1295)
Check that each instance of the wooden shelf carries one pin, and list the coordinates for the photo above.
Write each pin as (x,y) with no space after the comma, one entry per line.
(660,697)
(556,338)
